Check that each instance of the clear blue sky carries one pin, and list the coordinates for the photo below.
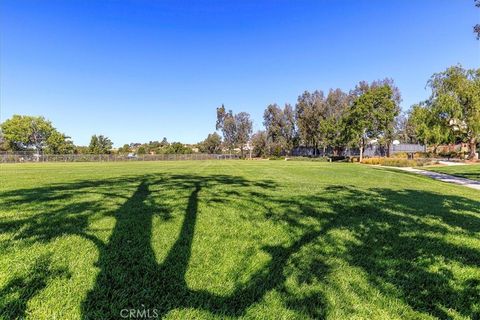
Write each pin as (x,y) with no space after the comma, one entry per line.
(141,70)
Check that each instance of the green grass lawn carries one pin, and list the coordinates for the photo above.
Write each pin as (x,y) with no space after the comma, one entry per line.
(228,239)
(469,172)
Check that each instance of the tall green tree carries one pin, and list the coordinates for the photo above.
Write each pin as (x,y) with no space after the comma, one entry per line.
(178,148)
(428,128)
(226,123)
(27,132)
(309,113)
(455,100)
(280,128)
(236,128)
(212,144)
(274,122)
(100,145)
(332,125)
(124,149)
(244,127)
(259,144)
(290,132)
(59,143)
(373,112)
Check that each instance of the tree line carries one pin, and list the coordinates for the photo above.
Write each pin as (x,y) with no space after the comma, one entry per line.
(368,113)
(323,122)
(335,121)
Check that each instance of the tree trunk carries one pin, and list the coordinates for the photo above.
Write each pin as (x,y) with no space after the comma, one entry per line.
(472,144)
(361,150)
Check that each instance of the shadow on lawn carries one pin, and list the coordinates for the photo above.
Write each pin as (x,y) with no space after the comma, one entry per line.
(131,278)
(18,291)
(398,240)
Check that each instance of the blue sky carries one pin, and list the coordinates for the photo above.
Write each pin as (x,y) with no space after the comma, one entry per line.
(141,70)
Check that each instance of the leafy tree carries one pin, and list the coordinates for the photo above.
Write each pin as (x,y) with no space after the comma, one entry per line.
(236,129)
(455,100)
(25,132)
(244,127)
(290,129)
(309,112)
(428,128)
(178,148)
(226,123)
(259,143)
(100,145)
(125,149)
(212,144)
(332,125)
(164,143)
(59,143)
(4,146)
(280,128)
(373,113)
(141,150)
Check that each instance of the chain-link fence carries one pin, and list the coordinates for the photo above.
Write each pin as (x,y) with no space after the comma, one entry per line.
(19,157)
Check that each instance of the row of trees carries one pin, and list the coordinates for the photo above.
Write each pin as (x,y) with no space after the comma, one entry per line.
(155,147)
(334,121)
(368,113)
(23,133)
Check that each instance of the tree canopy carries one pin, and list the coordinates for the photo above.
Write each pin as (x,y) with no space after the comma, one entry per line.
(455,102)
(236,128)
(212,144)
(100,145)
(30,132)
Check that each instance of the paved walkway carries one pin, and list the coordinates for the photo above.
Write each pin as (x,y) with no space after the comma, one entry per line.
(444,177)
(452,163)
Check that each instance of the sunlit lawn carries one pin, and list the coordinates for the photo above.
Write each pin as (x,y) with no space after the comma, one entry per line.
(468,171)
(227,239)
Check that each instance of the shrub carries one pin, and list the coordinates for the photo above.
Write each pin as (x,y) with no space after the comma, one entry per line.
(395,162)
(424,155)
(319,159)
(400,155)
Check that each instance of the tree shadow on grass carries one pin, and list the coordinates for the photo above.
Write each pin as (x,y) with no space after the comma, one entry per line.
(131,279)
(19,290)
(398,242)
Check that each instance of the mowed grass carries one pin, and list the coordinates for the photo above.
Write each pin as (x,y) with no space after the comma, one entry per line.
(228,239)
(467,171)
